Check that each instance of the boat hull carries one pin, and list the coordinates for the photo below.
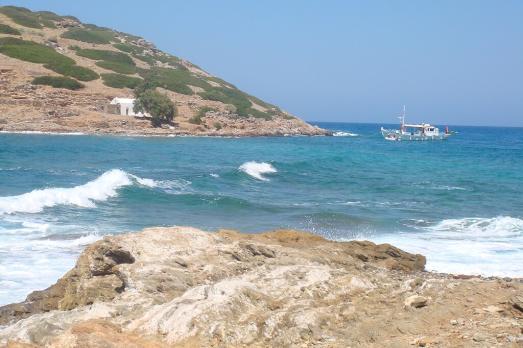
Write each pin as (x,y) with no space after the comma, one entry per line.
(394,135)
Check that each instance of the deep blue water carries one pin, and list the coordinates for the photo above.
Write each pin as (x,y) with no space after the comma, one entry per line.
(459,202)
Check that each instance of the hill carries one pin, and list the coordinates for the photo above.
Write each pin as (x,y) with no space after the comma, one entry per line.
(58,74)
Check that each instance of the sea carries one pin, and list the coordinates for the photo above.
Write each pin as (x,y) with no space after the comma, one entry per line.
(458,202)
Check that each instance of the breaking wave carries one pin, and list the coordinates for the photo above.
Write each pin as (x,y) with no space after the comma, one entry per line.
(98,190)
(486,246)
(257,169)
(492,228)
(344,134)
(39,253)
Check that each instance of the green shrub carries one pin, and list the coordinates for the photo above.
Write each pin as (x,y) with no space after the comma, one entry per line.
(228,96)
(146,58)
(262,103)
(121,81)
(32,52)
(58,82)
(48,15)
(5,29)
(158,105)
(136,52)
(235,97)
(111,56)
(129,48)
(22,16)
(78,72)
(71,17)
(217,125)
(36,53)
(197,119)
(220,81)
(118,67)
(172,60)
(25,17)
(259,114)
(130,37)
(96,36)
(176,80)
(48,24)
(96,27)
(116,61)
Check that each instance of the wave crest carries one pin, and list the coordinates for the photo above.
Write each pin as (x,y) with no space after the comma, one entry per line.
(257,169)
(344,134)
(501,226)
(100,189)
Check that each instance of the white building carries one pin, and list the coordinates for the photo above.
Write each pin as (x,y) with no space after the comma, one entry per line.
(125,107)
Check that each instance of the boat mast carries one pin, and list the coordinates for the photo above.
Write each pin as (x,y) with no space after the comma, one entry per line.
(402,119)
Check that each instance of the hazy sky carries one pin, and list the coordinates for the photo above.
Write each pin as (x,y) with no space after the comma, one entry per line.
(450,62)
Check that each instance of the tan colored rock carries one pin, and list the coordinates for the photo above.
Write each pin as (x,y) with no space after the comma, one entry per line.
(184,287)
(493,309)
(95,277)
(99,333)
(517,302)
(416,301)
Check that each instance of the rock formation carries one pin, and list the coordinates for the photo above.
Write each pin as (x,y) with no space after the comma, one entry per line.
(184,287)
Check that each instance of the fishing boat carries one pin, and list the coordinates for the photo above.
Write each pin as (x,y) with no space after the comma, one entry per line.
(414,132)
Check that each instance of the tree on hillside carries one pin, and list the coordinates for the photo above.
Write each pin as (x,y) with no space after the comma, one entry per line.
(144,86)
(158,105)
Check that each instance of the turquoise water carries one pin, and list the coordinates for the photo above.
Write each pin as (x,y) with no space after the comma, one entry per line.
(459,202)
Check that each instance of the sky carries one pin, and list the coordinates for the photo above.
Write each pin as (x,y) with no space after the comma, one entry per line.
(450,62)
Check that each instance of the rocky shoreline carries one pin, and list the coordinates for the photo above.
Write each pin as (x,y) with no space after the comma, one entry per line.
(160,133)
(184,287)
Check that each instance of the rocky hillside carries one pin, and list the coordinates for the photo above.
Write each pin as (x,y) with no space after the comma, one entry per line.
(183,287)
(58,74)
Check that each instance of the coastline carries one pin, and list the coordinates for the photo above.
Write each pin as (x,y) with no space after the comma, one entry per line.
(183,286)
(167,135)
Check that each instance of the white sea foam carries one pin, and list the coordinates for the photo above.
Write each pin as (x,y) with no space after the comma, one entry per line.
(486,246)
(344,134)
(100,189)
(448,188)
(435,186)
(175,187)
(144,181)
(351,203)
(257,169)
(37,257)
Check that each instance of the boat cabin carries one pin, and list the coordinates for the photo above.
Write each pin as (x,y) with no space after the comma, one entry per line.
(420,129)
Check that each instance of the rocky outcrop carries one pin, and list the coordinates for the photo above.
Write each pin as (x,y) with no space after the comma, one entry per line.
(94,278)
(185,287)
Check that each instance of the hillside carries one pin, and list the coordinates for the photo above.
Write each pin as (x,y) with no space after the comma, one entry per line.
(58,74)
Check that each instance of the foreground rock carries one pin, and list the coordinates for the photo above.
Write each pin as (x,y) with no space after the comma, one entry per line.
(185,287)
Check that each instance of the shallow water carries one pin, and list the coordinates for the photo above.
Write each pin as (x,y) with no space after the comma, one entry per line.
(459,202)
